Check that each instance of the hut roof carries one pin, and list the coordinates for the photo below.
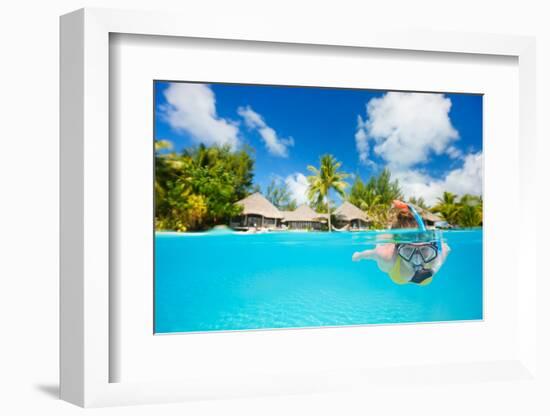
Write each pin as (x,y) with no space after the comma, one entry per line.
(430,216)
(348,212)
(302,213)
(257,204)
(427,215)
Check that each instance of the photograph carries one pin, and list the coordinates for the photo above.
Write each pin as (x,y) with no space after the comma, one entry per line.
(286,207)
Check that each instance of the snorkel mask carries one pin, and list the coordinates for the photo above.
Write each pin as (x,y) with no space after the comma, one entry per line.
(418,254)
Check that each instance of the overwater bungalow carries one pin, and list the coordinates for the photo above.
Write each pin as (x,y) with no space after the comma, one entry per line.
(257,212)
(304,218)
(430,219)
(406,220)
(350,217)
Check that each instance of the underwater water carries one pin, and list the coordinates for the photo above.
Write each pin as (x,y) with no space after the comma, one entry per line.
(231,281)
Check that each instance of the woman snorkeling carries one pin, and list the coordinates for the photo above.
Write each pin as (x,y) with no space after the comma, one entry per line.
(409,262)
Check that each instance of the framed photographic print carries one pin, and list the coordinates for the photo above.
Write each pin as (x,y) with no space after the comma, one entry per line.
(273,214)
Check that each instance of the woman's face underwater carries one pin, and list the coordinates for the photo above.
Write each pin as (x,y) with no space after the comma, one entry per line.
(417,255)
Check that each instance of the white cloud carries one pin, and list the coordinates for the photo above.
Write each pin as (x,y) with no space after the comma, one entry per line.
(406,128)
(192,108)
(362,141)
(467,179)
(275,145)
(454,152)
(251,118)
(297,186)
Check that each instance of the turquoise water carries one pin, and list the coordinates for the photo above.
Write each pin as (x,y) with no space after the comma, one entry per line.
(227,281)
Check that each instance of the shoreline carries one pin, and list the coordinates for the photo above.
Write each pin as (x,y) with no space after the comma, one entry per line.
(233,232)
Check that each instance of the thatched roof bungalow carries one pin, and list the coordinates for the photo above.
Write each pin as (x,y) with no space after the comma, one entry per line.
(304,218)
(350,216)
(257,212)
(429,217)
(406,220)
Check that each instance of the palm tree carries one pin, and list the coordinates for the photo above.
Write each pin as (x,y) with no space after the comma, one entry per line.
(418,202)
(447,207)
(470,211)
(324,179)
(279,196)
(366,198)
(163,145)
(375,197)
(387,189)
(371,200)
(448,198)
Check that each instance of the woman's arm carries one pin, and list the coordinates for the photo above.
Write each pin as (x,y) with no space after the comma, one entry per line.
(383,254)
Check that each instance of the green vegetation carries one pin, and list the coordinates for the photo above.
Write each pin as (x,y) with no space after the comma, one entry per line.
(447,207)
(466,212)
(198,188)
(375,197)
(419,202)
(325,178)
(321,206)
(279,196)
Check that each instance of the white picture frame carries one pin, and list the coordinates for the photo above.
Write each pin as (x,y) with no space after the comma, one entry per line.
(86,356)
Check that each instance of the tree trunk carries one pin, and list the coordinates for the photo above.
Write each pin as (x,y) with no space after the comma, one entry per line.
(329,221)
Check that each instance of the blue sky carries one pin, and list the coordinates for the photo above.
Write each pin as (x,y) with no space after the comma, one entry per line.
(430,142)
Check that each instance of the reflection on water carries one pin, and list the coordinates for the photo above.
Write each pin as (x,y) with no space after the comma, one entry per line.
(402,236)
